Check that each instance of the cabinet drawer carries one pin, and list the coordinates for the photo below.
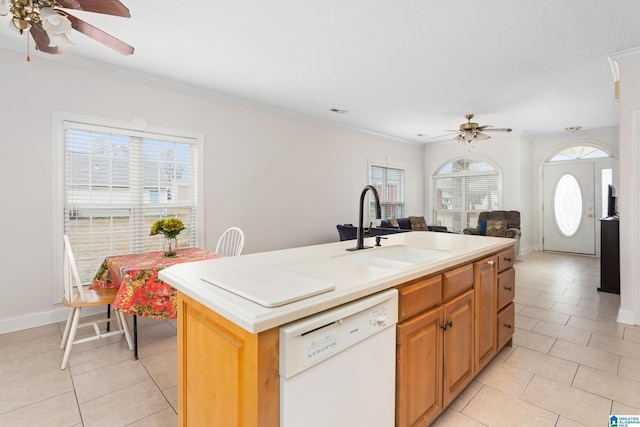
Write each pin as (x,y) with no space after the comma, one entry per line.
(506,287)
(506,324)
(456,281)
(506,259)
(419,295)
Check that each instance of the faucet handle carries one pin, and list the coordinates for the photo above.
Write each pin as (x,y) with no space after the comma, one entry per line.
(378,240)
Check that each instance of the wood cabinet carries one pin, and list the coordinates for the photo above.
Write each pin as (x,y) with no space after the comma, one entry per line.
(222,369)
(435,344)
(451,325)
(506,292)
(486,307)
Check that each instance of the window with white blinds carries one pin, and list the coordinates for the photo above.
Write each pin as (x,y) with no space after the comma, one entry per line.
(462,189)
(117,183)
(389,182)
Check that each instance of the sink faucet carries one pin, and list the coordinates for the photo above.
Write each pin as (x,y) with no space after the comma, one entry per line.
(360,239)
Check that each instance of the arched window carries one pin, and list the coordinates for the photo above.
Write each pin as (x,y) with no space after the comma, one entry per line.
(462,188)
(579,152)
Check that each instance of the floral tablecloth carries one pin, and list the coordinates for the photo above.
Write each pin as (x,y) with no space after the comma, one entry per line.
(136,275)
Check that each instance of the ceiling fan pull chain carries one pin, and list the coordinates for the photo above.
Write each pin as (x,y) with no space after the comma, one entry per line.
(28,58)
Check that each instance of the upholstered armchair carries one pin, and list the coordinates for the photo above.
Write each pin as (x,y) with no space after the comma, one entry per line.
(498,224)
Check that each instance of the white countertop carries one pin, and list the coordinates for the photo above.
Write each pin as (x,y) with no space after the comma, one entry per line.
(321,262)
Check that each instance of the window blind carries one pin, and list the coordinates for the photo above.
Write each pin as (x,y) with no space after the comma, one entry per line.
(460,195)
(117,183)
(389,182)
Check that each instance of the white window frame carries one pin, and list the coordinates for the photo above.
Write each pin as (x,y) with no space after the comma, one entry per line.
(387,165)
(466,212)
(137,125)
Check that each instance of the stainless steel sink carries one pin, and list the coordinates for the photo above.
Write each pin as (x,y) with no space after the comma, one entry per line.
(391,257)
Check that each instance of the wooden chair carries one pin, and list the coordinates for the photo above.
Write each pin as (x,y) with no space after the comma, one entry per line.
(79,298)
(231,242)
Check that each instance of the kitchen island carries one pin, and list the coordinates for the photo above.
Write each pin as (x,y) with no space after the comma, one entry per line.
(228,344)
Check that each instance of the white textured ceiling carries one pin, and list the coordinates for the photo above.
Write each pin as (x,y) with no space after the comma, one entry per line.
(399,67)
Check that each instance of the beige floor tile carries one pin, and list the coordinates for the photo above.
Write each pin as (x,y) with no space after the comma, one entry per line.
(121,375)
(533,341)
(453,418)
(565,422)
(587,313)
(28,366)
(60,410)
(546,315)
(543,364)
(164,372)
(615,345)
(629,368)
(534,302)
(25,348)
(494,408)
(595,358)
(632,333)
(34,389)
(607,306)
(601,326)
(505,378)
(116,409)
(570,402)
(609,386)
(98,357)
(465,396)
(29,334)
(527,292)
(582,292)
(171,394)
(565,299)
(565,333)
(526,323)
(621,409)
(165,418)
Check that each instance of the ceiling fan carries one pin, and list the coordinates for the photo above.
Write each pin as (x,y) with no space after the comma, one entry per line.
(470,132)
(48,24)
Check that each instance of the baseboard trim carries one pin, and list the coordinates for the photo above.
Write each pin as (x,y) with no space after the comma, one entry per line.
(626,316)
(33,320)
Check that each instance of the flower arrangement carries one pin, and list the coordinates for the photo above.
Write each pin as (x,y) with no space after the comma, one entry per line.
(170,227)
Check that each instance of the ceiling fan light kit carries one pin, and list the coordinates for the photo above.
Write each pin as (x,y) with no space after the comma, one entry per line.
(469,132)
(49,26)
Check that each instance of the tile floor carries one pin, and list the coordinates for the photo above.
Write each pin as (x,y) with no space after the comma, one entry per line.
(571,365)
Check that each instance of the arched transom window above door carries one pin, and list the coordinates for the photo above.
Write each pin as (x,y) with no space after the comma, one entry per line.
(579,152)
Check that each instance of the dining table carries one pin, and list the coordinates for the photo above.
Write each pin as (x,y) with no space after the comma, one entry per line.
(140,291)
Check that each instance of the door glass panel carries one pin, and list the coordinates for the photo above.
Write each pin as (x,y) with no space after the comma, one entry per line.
(567,205)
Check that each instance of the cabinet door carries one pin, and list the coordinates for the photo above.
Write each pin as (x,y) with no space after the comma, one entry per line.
(419,369)
(486,311)
(506,287)
(458,345)
(506,319)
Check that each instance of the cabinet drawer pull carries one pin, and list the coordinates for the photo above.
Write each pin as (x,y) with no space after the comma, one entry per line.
(444,326)
(507,259)
(490,262)
(508,288)
(507,325)
(449,323)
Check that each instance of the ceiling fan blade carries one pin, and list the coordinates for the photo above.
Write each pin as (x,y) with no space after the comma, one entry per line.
(107,7)
(42,41)
(481,136)
(446,135)
(100,36)
(497,130)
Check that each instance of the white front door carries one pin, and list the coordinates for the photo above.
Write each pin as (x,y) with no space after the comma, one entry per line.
(569,208)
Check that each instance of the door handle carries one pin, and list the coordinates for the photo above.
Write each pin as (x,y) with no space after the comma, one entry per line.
(590,215)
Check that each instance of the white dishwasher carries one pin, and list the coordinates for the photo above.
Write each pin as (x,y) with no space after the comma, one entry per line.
(337,368)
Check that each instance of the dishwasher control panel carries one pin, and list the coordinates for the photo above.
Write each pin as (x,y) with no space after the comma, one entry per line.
(308,341)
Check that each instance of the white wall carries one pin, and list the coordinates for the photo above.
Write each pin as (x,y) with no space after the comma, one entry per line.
(506,152)
(629,191)
(286,181)
(543,147)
